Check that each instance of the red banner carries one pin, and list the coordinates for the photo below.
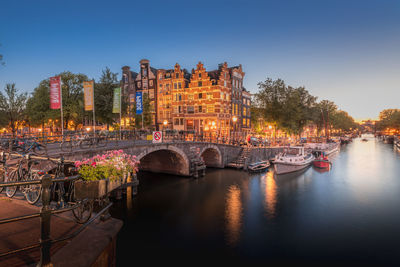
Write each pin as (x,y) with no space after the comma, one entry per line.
(55,90)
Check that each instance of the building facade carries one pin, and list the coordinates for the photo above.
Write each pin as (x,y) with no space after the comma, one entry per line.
(212,102)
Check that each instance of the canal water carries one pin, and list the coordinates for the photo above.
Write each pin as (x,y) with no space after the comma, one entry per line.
(349,214)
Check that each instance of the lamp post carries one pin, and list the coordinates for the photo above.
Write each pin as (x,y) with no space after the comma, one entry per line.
(165,122)
(234,119)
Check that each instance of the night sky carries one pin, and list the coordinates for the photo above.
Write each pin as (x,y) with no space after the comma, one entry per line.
(344,51)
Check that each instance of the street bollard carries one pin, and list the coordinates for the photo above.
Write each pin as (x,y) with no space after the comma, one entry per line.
(45,217)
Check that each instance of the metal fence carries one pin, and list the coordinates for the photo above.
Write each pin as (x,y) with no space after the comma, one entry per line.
(45,241)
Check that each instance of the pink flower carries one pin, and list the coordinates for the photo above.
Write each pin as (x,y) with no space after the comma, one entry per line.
(93,163)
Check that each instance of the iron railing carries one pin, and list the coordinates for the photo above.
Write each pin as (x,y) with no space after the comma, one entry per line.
(45,241)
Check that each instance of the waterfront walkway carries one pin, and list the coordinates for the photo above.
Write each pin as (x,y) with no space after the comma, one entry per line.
(93,244)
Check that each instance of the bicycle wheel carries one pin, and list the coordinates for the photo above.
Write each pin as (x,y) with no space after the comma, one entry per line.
(40,149)
(33,192)
(83,213)
(12,177)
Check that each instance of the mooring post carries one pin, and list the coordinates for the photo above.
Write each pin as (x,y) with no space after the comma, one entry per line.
(45,217)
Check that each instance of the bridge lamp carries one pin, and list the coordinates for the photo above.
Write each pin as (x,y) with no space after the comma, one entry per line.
(270,127)
(88,129)
(165,122)
(40,130)
(234,118)
(206,128)
(213,123)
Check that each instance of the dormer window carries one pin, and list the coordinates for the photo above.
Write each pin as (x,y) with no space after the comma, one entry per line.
(176,75)
(199,75)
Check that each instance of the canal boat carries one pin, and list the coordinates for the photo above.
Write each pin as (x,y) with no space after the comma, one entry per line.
(294,159)
(322,162)
(258,166)
(364,139)
(326,148)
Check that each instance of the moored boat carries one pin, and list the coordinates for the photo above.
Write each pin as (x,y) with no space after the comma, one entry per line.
(326,148)
(291,162)
(322,162)
(258,166)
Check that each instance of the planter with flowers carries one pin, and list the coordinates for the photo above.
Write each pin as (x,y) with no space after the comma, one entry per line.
(103,173)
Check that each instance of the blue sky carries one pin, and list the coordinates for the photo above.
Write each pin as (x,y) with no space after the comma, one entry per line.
(344,51)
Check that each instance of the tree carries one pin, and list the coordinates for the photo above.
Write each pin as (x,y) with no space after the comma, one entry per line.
(72,97)
(342,121)
(103,97)
(270,100)
(12,105)
(323,112)
(297,109)
(38,105)
(389,118)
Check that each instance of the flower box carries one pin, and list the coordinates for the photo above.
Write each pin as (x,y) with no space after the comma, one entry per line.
(103,173)
(95,189)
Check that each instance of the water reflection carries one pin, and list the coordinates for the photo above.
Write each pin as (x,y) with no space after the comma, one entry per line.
(233,214)
(270,193)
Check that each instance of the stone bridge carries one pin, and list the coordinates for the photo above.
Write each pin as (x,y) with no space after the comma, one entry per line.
(177,158)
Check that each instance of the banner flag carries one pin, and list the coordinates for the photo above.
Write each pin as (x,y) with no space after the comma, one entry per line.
(88,95)
(117,100)
(139,103)
(55,92)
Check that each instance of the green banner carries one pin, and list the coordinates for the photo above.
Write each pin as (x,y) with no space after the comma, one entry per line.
(117,100)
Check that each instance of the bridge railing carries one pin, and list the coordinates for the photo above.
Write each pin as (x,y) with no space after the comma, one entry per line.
(139,136)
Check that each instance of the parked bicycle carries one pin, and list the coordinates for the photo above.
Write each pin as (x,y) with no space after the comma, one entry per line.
(22,173)
(83,142)
(27,146)
(63,193)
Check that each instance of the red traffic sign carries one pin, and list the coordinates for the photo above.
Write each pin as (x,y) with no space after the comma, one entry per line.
(157,137)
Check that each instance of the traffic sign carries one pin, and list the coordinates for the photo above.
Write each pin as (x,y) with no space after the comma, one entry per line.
(157,137)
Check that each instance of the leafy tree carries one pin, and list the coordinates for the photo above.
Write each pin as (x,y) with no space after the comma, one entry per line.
(12,105)
(38,105)
(389,118)
(342,121)
(72,97)
(323,112)
(270,100)
(297,109)
(103,96)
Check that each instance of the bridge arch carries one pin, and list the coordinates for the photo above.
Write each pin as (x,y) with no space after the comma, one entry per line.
(212,156)
(164,159)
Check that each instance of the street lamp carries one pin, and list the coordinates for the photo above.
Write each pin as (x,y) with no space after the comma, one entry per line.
(165,122)
(234,119)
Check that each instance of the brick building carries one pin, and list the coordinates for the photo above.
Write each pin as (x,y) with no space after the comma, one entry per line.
(213,102)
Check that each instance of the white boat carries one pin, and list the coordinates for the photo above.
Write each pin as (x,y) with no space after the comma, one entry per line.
(327,148)
(258,166)
(295,159)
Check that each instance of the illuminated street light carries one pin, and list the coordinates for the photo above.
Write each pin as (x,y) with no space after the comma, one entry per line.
(88,129)
(270,127)
(165,122)
(234,118)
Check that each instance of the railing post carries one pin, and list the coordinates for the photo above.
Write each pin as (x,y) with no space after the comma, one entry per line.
(45,216)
